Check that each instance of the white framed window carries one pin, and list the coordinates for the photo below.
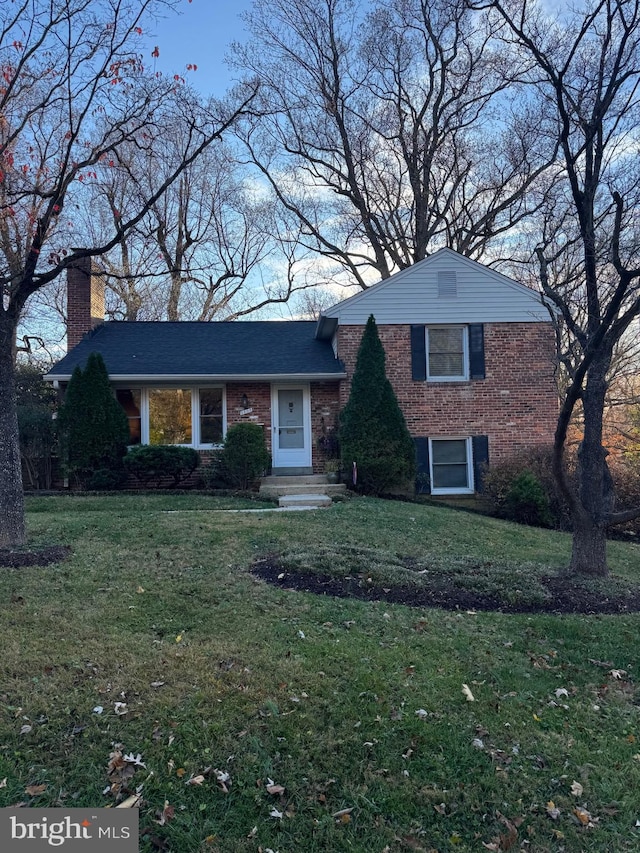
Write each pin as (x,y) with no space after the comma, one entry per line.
(451,466)
(447,353)
(193,417)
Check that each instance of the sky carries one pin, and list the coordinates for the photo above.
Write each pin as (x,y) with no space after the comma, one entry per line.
(199,35)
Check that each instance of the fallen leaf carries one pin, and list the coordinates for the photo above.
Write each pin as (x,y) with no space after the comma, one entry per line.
(301,635)
(584,817)
(467,693)
(274,789)
(98,709)
(275,813)
(576,789)
(421,713)
(131,802)
(140,590)
(617,674)
(34,790)
(223,779)
(552,810)
(180,772)
(25,729)
(561,691)
(3,783)
(121,708)
(167,814)
(195,780)
(340,814)
(158,683)
(136,760)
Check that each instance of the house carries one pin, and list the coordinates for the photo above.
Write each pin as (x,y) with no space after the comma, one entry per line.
(470,354)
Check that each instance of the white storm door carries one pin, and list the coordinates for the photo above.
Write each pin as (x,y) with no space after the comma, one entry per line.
(291,422)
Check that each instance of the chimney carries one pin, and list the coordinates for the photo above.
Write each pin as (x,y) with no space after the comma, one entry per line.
(85,301)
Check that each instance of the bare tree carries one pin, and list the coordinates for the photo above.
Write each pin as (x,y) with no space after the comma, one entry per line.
(198,244)
(392,132)
(587,66)
(73,92)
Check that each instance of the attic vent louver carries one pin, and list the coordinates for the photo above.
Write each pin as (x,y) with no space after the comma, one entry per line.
(447,284)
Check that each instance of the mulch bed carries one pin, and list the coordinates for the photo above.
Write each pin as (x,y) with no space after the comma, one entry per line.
(19,558)
(564,596)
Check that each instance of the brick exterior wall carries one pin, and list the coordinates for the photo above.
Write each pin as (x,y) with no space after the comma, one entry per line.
(325,407)
(516,405)
(85,301)
(325,397)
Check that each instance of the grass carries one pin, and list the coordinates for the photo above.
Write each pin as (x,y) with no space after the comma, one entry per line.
(156,609)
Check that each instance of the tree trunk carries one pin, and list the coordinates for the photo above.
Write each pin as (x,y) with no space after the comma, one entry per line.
(12,528)
(589,550)
(595,487)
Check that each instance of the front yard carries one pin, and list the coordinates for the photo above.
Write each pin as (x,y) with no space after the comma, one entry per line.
(251,716)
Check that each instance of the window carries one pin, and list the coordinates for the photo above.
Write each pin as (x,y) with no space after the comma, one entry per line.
(131,402)
(211,427)
(190,416)
(447,353)
(170,416)
(451,466)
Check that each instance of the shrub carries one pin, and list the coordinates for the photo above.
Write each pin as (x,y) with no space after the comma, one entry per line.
(245,457)
(92,426)
(373,432)
(106,480)
(161,464)
(500,479)
(527,502)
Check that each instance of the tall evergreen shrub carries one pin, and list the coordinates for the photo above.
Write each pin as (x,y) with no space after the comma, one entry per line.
(245,457)
(93,427)
(373,432)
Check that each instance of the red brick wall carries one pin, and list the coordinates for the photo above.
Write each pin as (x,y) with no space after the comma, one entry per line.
(325,405)
(85,301)
(516,405)
(259,399)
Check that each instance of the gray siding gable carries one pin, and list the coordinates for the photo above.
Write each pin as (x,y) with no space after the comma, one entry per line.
(411,296)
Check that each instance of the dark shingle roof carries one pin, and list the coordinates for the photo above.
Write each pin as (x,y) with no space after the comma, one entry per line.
(245,349)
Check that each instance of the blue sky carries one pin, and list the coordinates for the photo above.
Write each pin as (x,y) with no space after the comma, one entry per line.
(199,35)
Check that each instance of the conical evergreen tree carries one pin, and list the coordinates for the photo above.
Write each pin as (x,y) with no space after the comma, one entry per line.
(92,425)
(373,432)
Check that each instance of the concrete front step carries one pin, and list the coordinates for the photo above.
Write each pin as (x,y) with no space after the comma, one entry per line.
(305,484)
(308,501)
(295,480)
(276,491)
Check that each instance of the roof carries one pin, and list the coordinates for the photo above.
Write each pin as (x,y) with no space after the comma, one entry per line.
(167,352)
(482,295)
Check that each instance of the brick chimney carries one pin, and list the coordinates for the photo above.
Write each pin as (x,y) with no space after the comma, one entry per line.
(85,301)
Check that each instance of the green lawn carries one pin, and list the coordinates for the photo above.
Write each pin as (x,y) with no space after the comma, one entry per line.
(344,704)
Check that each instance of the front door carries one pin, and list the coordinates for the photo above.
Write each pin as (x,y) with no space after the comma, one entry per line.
(291,423)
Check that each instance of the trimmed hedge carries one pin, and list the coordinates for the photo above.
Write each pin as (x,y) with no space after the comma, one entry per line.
(157,463)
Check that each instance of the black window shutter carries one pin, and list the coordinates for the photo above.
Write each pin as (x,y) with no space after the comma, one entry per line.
(418,354)
(476,351)
(422,466)
(480,447)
